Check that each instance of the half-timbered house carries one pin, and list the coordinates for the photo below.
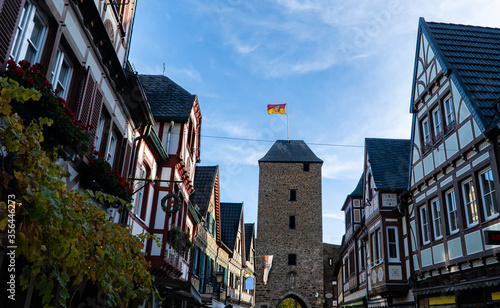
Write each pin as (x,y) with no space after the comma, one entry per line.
(454,183)
(386,169)
(211,255)
(82,48)
(353,250)
(233,235)
(162,207)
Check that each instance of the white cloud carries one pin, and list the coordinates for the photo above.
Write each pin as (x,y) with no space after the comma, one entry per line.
(338,215)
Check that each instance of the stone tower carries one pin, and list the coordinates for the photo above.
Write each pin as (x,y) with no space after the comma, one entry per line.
(289,226)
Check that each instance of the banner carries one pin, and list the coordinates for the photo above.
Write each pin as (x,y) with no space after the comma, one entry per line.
(268,262)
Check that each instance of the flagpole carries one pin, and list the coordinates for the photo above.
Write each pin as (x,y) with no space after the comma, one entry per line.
(287,131)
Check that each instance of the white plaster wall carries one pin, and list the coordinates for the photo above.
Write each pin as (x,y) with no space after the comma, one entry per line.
(451,145)
(155,250)
(77,35)
(438,253)
(160,214)
(473,242)
(465,135)
(455,248)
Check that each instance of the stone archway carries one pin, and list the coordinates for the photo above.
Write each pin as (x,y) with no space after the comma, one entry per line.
(292,301)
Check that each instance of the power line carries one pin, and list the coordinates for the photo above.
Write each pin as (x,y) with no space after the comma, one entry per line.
(264,140)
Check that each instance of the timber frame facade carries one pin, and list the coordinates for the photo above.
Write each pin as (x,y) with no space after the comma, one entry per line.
(454,185)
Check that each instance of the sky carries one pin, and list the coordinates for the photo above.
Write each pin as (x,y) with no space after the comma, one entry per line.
(344,69)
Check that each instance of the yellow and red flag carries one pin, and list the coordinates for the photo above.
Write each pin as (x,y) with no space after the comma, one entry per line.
(276,109)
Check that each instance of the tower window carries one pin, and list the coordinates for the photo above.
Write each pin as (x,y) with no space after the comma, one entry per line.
(306,167)
(292,259)
(293,195)
(291,222)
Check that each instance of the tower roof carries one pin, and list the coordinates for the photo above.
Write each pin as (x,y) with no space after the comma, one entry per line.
(290,151)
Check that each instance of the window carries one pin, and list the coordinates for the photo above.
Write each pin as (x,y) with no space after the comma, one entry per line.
(425,225)
(30,35)
(451,204)
(488,194)
(348,218)
(291,222)
(293,195)
(370,189)
(99,133)
(346,269)
(61,74)
(436,218)
(392,244)
(436,118)
(376,240)
(292,259)
(379,245)
(330,261)
(352,265)
(306,167)
(110,155)
(362,253)
(426,133)
(470,203)
(373,248)
(140,193)
(448,110)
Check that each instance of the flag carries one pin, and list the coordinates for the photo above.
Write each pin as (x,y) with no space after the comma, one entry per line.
(276,109)
(268,262)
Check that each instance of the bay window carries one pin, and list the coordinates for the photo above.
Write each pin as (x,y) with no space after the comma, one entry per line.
(392,244)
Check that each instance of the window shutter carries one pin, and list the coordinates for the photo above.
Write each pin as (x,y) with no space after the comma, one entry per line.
(96,109)
(126,160)
(86,99)
(10,11)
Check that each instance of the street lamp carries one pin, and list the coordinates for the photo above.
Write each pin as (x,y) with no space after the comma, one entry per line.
(220,277)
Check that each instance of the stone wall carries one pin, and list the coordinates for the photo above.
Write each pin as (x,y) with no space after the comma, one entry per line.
(275,237)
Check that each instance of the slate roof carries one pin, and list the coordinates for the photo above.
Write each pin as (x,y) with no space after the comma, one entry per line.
(285,151)
(204,182)
(356,193)
(390,162)
(230,215)
(472,54)
(168,100)
(249,234)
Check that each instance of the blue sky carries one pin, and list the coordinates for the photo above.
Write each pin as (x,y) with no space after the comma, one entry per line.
(344,69)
